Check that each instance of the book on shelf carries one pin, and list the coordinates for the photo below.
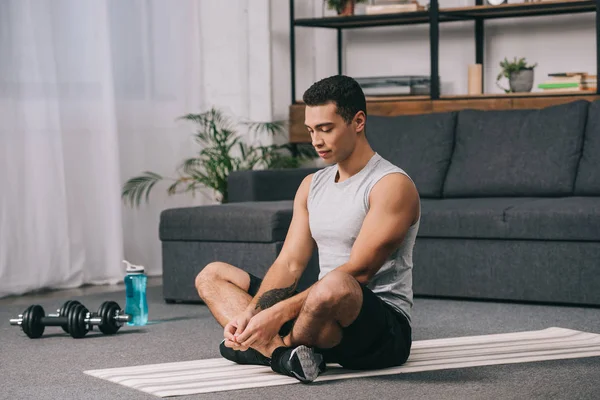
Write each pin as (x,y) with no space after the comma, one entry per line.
(394,85)
(375,9)
(566,74)
(569,82)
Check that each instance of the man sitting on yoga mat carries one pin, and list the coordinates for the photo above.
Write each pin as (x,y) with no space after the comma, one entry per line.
(363,214)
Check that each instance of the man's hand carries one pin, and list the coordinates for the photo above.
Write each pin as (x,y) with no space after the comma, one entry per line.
(234,328)
(261,329)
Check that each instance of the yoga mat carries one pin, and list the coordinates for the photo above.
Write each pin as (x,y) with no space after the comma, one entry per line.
(215,375)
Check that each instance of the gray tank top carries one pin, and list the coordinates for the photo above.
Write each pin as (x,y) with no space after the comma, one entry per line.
(336,213)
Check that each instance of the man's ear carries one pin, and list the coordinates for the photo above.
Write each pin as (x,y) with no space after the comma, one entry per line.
(360,119)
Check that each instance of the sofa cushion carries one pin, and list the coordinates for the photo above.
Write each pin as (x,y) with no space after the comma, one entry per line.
(588,173)
(518,218)
(517,152)
(466,218)
(232,222)
(569,218)
(419,144)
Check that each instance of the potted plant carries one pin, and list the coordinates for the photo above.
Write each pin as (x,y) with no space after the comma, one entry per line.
(343,7)
(518,73)
(222,152)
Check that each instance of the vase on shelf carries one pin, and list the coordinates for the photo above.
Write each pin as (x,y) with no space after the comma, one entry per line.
(347,9)
(343,7)
(474,83)
(521,81)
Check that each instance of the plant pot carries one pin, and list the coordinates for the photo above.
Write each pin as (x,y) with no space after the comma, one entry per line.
(347,9)
(521,81)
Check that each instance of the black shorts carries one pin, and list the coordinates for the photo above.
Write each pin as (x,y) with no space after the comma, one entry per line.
(380,337)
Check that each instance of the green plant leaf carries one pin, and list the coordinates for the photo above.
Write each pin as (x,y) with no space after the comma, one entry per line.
(191,164)
(135,188)
(173,188)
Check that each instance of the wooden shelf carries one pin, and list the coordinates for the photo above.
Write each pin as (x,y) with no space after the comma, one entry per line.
(412,105)
(376,99)
(512,95)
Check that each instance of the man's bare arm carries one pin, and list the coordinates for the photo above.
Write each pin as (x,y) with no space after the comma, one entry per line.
(289,308)
(394,207)
(282,278)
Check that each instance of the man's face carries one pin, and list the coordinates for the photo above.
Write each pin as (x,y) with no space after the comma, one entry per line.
(333,139)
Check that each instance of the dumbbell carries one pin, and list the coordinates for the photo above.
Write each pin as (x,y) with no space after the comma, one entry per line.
(34,321)
(77,319)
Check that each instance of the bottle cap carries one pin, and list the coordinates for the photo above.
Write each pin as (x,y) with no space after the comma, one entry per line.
(134,269)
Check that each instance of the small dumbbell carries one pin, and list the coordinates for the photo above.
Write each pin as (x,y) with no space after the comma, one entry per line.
(77,319)
(61,312)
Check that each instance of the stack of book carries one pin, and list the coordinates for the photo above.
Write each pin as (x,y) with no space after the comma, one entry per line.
(391,7)
(569,82)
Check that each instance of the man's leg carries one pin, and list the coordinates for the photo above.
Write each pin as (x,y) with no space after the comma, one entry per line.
(331,305)
(224,289)
(345,323)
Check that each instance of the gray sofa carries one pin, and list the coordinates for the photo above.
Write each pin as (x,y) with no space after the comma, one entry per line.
(510,207)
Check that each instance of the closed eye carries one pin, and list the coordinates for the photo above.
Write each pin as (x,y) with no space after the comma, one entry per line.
(324,127)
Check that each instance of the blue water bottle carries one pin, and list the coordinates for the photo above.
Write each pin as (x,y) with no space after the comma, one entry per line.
(136,304)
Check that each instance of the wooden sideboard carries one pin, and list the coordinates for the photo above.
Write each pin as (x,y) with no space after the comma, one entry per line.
(424,105)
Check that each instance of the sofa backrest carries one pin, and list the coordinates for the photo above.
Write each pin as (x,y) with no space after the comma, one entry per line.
(419,144)
(587,182)
(517,152)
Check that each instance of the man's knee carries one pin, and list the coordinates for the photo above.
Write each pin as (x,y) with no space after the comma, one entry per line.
(216,273)
(332,290)
(207,274)
(210,275)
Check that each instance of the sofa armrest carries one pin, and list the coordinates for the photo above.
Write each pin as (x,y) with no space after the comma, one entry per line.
(266,185)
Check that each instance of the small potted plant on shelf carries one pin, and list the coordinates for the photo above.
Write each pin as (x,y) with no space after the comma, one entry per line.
(343,7)
(518,73)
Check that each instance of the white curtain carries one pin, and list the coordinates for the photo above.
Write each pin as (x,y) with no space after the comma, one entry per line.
(89,96)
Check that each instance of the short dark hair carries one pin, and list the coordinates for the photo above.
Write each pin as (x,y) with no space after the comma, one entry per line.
(341,90)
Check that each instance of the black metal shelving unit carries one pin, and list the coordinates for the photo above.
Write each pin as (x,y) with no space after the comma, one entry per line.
(434,16)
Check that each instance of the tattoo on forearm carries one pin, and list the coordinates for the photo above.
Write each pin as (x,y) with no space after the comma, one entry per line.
(274,296)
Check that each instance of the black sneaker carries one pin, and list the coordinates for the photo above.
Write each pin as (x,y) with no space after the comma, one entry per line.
(299,362)
(248,357)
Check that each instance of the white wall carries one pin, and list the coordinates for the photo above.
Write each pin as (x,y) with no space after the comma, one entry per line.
(156,62)
(184,60)
(236,56)
(556,43)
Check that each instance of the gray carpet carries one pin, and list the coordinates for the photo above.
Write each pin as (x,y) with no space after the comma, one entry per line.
(52,367)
